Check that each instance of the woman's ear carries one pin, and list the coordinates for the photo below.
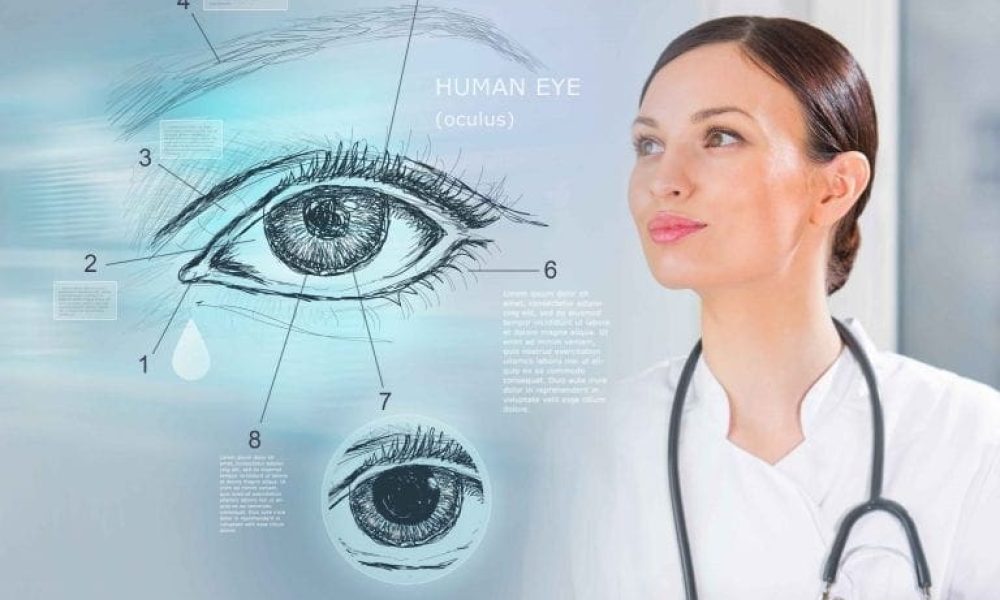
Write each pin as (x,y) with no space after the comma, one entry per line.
(845,177)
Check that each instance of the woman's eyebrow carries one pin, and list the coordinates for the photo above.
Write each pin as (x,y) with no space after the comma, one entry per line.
(701,115)
(648,121)
(705,113)
(158,85)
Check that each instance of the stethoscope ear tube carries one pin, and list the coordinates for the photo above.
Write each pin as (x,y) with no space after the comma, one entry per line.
(673,475)
(878,429)
(875,502)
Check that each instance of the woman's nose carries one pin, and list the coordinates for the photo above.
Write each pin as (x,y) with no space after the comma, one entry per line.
(670,179)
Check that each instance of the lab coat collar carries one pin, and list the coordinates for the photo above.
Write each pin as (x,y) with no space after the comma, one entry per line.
(842,378)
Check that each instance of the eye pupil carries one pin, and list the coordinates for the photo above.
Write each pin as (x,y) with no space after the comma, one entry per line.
(326,219)
(406,495)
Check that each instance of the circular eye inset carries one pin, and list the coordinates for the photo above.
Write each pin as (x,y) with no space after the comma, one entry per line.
(406,499)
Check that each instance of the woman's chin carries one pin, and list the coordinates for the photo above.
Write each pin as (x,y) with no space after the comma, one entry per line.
(673,274)
(673,280)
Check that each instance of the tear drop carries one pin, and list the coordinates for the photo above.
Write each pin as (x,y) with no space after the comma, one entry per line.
(191,360)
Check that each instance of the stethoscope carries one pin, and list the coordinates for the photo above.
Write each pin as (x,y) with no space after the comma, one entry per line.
(875,501)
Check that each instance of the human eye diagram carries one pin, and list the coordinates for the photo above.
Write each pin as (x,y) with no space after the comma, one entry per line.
(406,499)
(318,223)
(342,223)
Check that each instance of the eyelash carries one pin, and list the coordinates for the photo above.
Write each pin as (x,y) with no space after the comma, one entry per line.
(474,209)
(638,141)
(426,444)
(714,130)
(444,190)
(419,444)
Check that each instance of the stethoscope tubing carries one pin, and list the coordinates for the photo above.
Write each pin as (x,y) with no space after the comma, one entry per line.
(874,502)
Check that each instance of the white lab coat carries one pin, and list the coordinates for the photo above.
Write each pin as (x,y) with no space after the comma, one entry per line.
(602,527)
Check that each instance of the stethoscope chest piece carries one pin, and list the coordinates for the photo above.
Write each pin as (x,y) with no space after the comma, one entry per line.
(826,594)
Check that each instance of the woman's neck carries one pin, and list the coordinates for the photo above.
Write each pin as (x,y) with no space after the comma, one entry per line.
(767,345)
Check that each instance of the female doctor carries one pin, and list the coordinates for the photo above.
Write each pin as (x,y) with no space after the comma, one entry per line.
(755,146)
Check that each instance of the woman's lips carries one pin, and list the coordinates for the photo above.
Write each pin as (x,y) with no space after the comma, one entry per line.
(667,227)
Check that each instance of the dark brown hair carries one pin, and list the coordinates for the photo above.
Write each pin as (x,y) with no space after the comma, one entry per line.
(831,88)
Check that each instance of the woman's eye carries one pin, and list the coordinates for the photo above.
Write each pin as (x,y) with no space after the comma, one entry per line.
(406,499)
(645,146)
(721,137)
(340,224)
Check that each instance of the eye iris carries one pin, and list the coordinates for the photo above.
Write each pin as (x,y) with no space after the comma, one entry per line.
(328,229)
(406,496)
(408,506)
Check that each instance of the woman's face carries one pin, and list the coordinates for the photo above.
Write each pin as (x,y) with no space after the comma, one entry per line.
(721,142)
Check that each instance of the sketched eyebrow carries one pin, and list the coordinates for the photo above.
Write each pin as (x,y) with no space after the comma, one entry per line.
(157,85)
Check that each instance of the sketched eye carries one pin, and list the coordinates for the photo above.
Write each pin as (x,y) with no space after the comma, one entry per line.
(406,500)
(341,224)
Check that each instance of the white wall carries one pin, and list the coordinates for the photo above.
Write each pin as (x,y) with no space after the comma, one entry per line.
(950,162)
